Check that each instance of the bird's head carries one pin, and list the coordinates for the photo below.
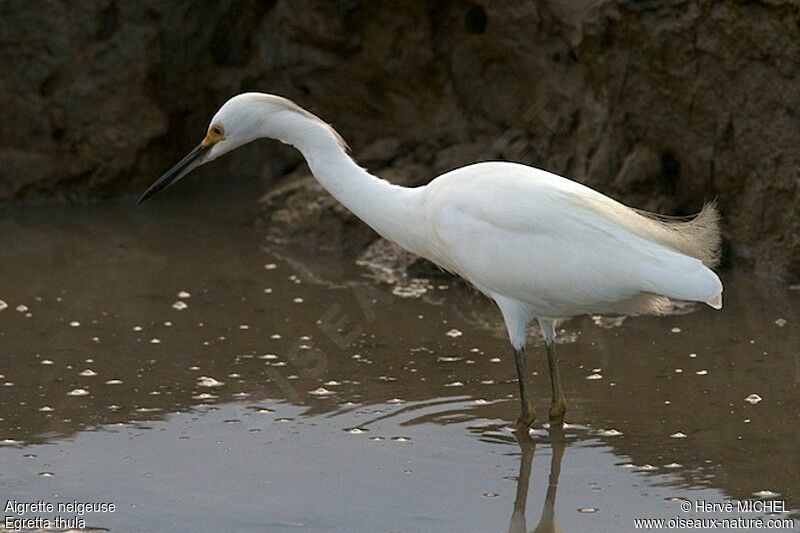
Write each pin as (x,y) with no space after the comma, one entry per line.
(242,119)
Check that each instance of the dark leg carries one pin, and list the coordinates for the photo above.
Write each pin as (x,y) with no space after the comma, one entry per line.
(559,404)
(527,414)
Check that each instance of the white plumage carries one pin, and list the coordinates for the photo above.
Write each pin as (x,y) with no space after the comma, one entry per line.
(540,245)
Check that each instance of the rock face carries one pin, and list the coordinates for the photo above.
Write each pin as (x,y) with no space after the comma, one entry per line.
(659,104)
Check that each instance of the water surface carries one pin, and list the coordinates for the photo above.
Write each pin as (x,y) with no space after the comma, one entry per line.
(166,360)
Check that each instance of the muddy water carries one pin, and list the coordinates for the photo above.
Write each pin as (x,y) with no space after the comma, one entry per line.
(162,359)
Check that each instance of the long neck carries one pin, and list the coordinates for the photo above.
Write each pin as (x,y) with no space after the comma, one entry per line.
(391,210)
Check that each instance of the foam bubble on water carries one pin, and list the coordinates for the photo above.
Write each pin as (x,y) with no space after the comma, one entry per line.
(298,300)
(148,409)
(701,372)
(184,294)
(675,330)
(356,431)
(321,391)
(480,401)
(494,360)
(270,266)
(114,382)
(449,359)
(208,381)
(692,355)
(609,432)
(240,395)
(679,371)
(490,495)
(454,384)
(46,474)
(454,333)
(753,399)
(78,392)
(678,435)
(46,409)
(46,362)
(279,363)
(395,401)
(3,305)
(594,376)
(137,328)
(268,356)
(9,442)
(88,373)
(75,324)
(275,336)
(401,439)
(647,467)
(780,322)
(766,494)
(204,396)
(264,410)
(180,305)
(608,322)
(22,308)
(155,341)
(673,465)
(332,383)
(376,438)
(587,510)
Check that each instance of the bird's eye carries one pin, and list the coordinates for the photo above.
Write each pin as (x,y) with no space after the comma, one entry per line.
(217,130)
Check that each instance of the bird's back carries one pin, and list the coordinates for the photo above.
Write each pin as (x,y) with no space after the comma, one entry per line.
(562,248)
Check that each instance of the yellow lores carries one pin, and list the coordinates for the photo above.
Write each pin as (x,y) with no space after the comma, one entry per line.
(215,134)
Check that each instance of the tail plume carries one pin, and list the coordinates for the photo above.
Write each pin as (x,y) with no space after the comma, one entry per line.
(698,237)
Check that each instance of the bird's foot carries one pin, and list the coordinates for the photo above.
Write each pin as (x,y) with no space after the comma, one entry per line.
(525,420)
(557,411)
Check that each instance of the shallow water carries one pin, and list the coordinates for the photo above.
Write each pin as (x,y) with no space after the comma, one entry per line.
(293,392)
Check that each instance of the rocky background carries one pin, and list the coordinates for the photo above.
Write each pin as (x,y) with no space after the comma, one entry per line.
(659,104)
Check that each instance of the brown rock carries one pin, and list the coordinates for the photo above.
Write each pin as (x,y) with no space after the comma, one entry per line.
(99,97)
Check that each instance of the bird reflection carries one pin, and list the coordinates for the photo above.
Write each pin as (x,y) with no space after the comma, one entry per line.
(528,446)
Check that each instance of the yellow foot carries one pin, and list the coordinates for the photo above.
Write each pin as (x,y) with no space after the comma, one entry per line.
(557,411)
(525,420)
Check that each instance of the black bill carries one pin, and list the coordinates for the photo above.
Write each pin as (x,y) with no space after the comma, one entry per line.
(186,165)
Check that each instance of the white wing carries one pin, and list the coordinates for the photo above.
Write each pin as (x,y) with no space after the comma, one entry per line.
(554,244)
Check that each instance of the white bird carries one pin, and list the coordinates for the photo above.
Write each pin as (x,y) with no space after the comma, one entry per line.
(539,245)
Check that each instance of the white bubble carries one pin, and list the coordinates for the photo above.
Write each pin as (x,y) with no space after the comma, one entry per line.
(184,294)
(207,381)
(88,373)
(753,399)
(78,392)
(454,333)
(180,305)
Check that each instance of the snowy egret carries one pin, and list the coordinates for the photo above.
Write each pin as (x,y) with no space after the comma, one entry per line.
(541,246)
